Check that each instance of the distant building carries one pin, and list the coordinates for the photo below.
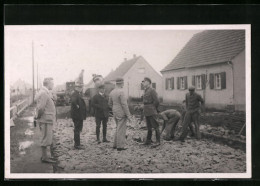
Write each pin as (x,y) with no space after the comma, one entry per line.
(214,62)
(133,72)
(20,87)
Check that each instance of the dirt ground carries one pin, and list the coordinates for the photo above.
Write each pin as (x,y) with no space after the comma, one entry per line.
(25,150)
(192,156)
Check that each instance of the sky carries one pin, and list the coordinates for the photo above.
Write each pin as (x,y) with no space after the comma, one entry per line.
(62,51)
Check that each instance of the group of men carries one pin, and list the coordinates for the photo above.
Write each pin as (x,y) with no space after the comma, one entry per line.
(46,114)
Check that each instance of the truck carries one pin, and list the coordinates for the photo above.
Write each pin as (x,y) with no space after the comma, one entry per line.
(64,96)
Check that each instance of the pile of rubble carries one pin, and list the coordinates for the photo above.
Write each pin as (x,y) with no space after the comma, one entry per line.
(193,156)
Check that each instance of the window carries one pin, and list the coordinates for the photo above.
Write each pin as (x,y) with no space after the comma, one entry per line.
(198,82)
(141,70)
(182,83)
(217,81)
(169,83)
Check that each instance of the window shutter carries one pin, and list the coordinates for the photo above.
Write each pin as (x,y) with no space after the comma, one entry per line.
(193,80)
(172,82)
(223,80)
(166,84)
(211,81)
(203,81)
(178,82)
(186,82)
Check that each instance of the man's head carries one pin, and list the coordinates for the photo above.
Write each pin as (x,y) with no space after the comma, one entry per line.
(146,82)
(191,89)
(78,87)
(120,82)
(101,89)
(48,83)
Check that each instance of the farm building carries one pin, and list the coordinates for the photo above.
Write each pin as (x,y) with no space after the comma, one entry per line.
(133,72)
(214,62)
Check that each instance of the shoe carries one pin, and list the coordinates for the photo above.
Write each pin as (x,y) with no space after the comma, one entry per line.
(79,147)
(114,148)
(47,160)
(98,141)
(105,141)
(182,140)
(120,149)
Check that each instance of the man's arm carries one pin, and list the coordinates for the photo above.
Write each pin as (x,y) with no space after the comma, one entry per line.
(155,98)
(124,104)
(41,104)
(164,125)
(201,100)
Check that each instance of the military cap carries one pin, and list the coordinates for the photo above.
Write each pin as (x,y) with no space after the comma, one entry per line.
(191,88)
(119,80)
(148,79)
(96,77)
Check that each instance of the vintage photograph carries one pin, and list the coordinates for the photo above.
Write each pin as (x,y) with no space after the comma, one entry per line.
(140,101)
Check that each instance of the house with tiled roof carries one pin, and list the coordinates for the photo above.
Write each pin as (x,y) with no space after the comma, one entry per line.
(133,72)
(214,62)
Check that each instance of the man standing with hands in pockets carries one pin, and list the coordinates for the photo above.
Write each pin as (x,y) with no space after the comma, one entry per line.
(151,103)
(121,114)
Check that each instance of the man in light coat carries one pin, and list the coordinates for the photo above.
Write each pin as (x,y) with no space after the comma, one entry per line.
(46,117)
(121,114)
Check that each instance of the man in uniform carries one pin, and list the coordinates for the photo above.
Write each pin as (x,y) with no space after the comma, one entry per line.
(151,103)
(171,118)
(193,103)
(121,114)
(46,117)
(100,104)
(78,113)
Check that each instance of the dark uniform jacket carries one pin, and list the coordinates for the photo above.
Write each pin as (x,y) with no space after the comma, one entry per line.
(100,103)
(78,107)
(193,102)
(151,102)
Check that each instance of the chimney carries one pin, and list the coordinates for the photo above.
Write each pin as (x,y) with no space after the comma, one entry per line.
(134,56)
(125,59)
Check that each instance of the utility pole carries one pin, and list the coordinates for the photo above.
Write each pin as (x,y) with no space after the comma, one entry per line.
(33,69)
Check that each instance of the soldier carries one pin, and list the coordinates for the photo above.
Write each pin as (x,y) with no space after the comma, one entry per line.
(100,103)
(121,114)
(151,103)
(171,118)
(46,117)
(193,103)
(78,113)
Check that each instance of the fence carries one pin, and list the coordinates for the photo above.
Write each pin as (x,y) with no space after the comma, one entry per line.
(20,106)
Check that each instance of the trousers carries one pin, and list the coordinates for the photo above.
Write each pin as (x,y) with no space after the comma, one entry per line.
(170,127)
(120,134)
(152,123)
(104,127)
(188,118)
(78,125)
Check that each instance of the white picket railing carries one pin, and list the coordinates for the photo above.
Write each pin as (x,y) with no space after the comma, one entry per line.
(19,107)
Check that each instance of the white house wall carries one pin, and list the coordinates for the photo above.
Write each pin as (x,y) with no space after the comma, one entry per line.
(239,83)
(133,79)
(213,98)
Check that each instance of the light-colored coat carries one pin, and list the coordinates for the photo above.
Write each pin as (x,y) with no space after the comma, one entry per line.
(121,112)
(46,111)
(117,101)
